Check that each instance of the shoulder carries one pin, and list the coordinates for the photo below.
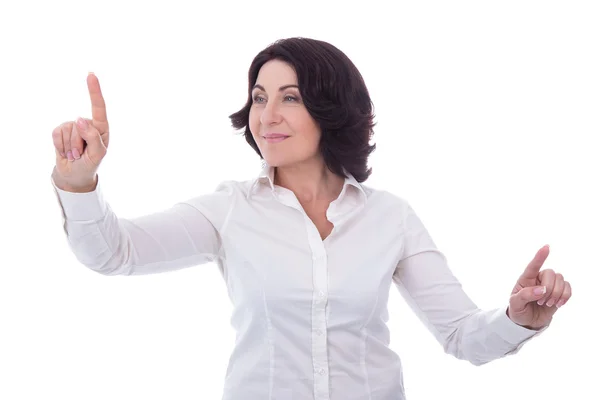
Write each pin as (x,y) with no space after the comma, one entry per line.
(226,190)
(393,207)
(216,205)
(385,199)
(398,209)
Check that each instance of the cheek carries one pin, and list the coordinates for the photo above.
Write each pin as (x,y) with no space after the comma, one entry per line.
(254,121)
(311,128)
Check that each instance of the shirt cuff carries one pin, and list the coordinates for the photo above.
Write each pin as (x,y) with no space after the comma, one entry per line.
(89,206)
(510,331)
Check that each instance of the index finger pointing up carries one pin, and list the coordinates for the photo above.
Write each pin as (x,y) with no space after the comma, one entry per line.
(98,105)
(533,268)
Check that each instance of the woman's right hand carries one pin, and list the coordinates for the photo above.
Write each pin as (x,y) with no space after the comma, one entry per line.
(81,145)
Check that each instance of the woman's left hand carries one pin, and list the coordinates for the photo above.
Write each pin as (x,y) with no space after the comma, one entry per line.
(538,295)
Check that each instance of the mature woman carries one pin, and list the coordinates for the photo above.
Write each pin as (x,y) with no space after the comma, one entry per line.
(308,252)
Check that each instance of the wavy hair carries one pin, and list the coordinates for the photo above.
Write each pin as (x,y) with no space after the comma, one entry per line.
(334,94)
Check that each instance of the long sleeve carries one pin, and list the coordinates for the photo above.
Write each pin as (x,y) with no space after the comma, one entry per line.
(182,236)
(436,296)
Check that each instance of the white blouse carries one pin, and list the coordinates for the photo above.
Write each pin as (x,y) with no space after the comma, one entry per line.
(310,314)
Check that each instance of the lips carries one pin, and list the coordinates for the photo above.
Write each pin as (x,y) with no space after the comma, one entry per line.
(275,137)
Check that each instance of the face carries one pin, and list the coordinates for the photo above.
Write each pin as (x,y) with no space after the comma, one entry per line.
(283,129)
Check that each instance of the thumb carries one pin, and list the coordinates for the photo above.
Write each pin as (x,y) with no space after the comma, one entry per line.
(95,148)
(519,300)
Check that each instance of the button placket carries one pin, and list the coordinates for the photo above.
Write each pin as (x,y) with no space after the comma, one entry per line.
(319,337)
(319,306)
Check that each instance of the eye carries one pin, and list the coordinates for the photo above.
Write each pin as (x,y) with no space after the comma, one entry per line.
(258,98)
(290,98)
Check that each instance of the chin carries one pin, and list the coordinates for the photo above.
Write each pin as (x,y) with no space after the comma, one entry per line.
(278,156)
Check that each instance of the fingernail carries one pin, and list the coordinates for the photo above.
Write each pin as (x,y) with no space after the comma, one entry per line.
(550,303)
(540,302)
(560,303)
(539,290)
(76,154)
(82,123)
(70,155)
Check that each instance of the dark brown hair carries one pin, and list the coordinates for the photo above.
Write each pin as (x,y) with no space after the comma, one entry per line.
(334,94)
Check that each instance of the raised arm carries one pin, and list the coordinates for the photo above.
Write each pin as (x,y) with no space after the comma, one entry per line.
(185,235)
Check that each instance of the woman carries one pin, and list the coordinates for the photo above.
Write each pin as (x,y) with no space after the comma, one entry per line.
(307,250)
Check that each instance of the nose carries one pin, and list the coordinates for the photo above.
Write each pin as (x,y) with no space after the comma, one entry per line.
(270,114)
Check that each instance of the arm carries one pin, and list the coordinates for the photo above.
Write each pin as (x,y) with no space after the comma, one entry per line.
(437,298)
(176,238)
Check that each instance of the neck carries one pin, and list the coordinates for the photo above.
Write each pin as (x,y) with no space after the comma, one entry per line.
(312,182)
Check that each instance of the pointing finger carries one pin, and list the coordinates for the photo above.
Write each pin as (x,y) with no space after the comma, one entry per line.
(98,104)
(533,268)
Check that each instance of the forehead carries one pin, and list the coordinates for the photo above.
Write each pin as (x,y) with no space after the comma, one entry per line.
(276,72)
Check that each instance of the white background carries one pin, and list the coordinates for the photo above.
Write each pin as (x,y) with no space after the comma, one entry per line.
(487,123)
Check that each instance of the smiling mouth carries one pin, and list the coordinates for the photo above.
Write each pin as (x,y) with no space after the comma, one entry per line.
(275,138)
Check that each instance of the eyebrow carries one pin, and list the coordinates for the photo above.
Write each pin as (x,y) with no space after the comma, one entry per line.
(281,89)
